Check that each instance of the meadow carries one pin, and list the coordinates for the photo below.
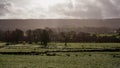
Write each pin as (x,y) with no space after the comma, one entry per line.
(60,59)
(56,46)
(83,60)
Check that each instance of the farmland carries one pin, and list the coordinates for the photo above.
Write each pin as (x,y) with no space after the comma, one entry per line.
(82,61)
(56,55)
(56,46)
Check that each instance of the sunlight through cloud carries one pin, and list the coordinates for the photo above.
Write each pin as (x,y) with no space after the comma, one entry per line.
(57,9)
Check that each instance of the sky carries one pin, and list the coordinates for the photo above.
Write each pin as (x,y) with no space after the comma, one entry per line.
(59,9)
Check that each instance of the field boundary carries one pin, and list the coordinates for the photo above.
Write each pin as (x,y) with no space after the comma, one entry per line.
(59,51)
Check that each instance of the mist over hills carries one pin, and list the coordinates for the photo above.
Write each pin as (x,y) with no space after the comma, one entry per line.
(25,24)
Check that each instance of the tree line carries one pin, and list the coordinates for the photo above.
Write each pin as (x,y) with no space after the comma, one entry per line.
(43,36)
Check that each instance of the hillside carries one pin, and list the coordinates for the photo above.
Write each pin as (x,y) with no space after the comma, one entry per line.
(24,24)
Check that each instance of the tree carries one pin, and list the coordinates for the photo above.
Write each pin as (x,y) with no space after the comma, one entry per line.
(7,37)
(66,37)
(1,35)
(51,34)
(118,31)
(17,36)
(13,37)
(29,36)
(37,35)
(44,37)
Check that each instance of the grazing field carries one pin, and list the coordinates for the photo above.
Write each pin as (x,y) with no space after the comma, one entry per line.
(82,60)
(56,46)
(60,59)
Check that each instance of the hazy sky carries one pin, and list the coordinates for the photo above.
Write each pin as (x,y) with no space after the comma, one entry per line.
(39,9)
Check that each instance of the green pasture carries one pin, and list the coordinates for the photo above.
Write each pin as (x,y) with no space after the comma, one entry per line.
(60,60)
(82,60)
(54,46)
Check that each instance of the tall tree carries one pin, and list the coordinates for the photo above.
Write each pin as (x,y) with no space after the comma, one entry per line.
(18,36)
(66,37)
(29,36)
(118,31)
(1,35)
(7,37)
(45,37)
(37,35)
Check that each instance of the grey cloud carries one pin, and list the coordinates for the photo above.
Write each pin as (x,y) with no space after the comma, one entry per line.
(3,8)
(73,9)
(80,10)
(116,2)
(109,10)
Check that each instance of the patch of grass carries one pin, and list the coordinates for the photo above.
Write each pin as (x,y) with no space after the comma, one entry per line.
(94,45)
(56,46)
(60,60)
(83,60)
(2,44)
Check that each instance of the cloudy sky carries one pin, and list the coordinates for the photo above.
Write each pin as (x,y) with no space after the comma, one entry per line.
(59,9)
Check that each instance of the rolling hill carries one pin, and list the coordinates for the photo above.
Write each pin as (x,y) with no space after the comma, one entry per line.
(24,24)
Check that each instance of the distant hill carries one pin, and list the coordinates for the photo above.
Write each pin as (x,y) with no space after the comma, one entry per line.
(24,24)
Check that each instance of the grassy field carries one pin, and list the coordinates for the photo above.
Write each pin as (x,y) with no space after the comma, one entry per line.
(61,59)
(83,60)
(54,46)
